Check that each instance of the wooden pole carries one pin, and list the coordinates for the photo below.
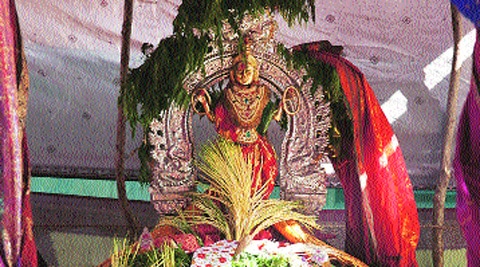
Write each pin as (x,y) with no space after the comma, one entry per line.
(133,224)
(446,164)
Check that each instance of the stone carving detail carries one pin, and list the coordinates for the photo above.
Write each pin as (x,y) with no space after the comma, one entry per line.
(301,176)
(172,155)
(302,150)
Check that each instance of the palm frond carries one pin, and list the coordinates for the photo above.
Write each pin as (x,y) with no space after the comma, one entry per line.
(230,204)
(230,175)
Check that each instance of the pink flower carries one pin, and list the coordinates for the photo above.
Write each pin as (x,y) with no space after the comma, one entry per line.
(158,242)
(263,234)
(146,240)
(210,239)
(188,242)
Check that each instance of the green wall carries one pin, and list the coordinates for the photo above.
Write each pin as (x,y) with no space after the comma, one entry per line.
(137,191)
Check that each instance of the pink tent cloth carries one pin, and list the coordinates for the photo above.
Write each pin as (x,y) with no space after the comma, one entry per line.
(466,165)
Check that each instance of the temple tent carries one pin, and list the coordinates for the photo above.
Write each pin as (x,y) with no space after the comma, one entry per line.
(73,53)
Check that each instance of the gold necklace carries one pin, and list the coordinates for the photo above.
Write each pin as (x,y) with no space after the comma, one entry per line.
(246,105)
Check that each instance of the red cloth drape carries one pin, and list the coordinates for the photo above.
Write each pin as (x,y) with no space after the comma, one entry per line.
(382,219)
(261,152)
(18,242)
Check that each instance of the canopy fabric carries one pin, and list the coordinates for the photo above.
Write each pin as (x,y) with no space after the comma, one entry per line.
(404,49)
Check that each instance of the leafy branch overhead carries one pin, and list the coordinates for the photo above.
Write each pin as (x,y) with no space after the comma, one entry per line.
(157,83)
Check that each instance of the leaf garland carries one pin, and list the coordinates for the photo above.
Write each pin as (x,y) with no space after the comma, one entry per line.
(325,75)
(152,87)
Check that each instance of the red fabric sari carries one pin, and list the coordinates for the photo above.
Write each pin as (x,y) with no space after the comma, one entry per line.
(382,219)
(261,151)
(18,242)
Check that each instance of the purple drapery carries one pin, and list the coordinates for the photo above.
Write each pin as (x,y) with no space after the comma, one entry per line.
(470,9)
(466,165)
(18,243)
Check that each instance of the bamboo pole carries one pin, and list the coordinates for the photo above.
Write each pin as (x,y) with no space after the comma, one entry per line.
(133,224)
(446,164)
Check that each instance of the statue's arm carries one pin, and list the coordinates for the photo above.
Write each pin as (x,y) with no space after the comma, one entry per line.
(201,96)
(279,112)
(206,106)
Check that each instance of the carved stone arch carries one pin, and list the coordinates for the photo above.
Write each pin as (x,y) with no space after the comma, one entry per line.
(301,176)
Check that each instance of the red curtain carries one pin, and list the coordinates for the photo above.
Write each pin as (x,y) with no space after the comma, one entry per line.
(382,219)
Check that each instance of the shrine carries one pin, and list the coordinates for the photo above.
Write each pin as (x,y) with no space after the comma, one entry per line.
(239,133)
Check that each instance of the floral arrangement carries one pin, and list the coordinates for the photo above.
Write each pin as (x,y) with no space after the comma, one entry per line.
(234,212)
(260,253)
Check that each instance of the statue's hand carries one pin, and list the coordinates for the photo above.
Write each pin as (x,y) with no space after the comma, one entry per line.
(201,96)
(291,101)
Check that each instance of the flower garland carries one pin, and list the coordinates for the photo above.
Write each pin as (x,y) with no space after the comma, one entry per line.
(260,253)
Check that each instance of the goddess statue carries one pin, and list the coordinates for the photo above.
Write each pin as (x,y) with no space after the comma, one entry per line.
(238,114)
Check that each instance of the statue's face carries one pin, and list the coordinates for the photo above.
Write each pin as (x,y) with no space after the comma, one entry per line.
(244,73)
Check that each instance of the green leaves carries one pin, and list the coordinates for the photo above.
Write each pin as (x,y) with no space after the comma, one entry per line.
(151,88)
(246,259)
(129,255)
